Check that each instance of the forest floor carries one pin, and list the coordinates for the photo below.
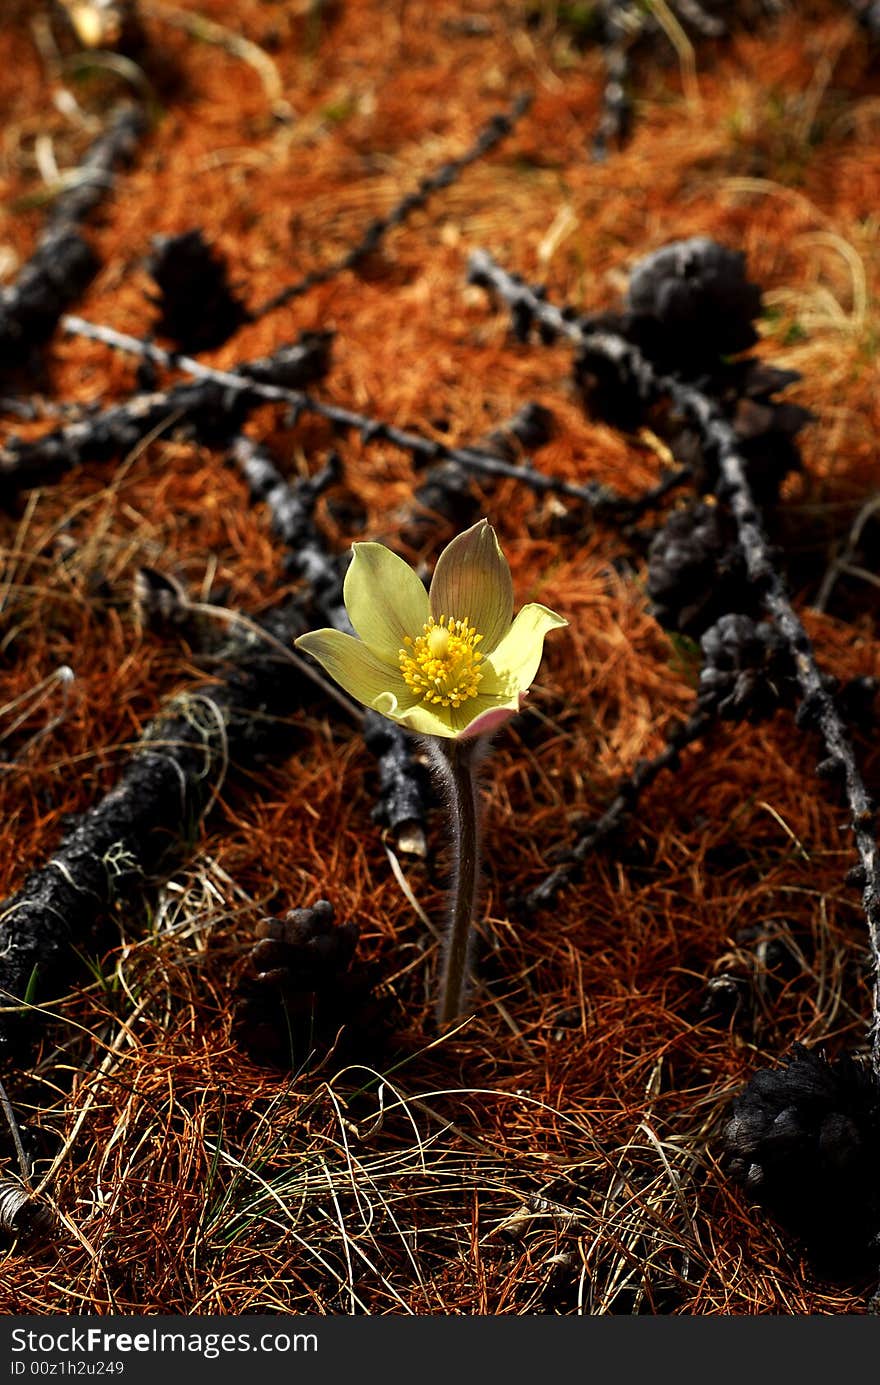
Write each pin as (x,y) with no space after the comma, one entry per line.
(560,1151)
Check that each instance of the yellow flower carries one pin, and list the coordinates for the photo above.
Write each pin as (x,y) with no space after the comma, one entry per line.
(452,663)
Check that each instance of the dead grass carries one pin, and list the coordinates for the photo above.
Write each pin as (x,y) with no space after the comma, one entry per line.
(569,1165)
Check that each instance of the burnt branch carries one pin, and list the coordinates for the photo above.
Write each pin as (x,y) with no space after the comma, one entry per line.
(138,829)
(734,489)
(491,135)
(620,811)
(211,408)
(63,262)
(619,30)
(624,24)
(17,458)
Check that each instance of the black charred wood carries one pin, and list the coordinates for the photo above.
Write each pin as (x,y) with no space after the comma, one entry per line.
(493,132)
(292,510)
(404,783)
(115,146)
(63,263)
(598,500)
(669,348)
(60,269)
(210,411)
(615,120)
(139,828)
(622,26)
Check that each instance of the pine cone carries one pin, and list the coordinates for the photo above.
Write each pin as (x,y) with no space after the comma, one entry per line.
(300,988)
(695,570)
(691,302)
(198,308)
(804,1140)
(747,671)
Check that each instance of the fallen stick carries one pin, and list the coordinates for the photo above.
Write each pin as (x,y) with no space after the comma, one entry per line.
(136,830)
(211,408)
(491,135)
(19,460)
(732,488)
(63,263)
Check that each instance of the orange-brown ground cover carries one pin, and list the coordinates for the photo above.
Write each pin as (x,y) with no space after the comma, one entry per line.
(520,1152)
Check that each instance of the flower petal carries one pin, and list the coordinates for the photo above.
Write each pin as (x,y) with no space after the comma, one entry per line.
(472,581)
(514,662)
(474,717)
(492,719)
(355,667)
(384,598)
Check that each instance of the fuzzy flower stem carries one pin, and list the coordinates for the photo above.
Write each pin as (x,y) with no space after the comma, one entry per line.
(456,761)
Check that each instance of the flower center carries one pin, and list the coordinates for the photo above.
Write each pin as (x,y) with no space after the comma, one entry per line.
(442,664)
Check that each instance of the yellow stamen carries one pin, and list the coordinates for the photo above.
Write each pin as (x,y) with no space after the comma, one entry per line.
(438,642)
(442,664)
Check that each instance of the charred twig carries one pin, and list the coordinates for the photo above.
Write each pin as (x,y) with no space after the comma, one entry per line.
(167,786)
(446,489)
(491,135)
(623,25)
(63,263)
(733,488)
(746,675)
(599,500)
(291,507)
(679,735)
(94,177)
(213,408)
